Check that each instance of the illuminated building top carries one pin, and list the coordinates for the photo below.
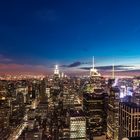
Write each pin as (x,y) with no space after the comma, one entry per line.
(93,71)
(113,71)
(56,70)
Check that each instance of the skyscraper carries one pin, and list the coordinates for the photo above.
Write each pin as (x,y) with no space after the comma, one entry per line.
(129,120)
(77,125)
(93,71)
(113,113)
(95,104)
(95,107)
(56,71)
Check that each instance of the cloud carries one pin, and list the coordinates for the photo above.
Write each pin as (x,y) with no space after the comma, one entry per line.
(108,68)
(8,65)
(13,68)
(75,64)
(19,68)
(72,65)
(4,59)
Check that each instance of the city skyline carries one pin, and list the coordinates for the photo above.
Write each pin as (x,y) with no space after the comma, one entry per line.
(36,36)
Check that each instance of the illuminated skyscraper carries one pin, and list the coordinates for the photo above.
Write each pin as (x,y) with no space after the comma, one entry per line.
(93,71)
(95,107)
(56,70)
(77,125)
(113,113)
(113,71)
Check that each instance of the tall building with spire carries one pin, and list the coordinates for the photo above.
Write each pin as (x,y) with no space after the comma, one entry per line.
(93,71)
(56,70)
(95,105)
(113,71)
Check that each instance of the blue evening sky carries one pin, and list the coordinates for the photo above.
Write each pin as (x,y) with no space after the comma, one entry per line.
(45,32)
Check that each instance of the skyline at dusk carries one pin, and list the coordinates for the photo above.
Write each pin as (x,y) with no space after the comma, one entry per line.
(34,36)
(70,70)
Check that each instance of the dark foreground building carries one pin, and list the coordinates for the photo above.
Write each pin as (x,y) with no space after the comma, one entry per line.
(129,120)
(95,107)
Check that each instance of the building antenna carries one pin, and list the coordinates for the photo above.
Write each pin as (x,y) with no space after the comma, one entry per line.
(113,71)
(93,63)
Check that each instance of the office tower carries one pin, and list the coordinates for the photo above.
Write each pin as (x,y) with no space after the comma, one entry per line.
(17,110)
(113,113)
(68,99)
(47,92)
(44,90)
(95,107)
(113,71)
(4,118)
(77,125)
(56,72)
(36,88)
(136,82)
(24,91)
(41,109)
(112,81)
(136,97)
(93,71)
(129,120)
(31,135)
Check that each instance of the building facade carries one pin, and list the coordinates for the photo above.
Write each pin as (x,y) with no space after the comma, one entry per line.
(94,106)
(129,120)
(77,125)
(113,114)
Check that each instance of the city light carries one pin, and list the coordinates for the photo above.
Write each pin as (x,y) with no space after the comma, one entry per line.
(70,70)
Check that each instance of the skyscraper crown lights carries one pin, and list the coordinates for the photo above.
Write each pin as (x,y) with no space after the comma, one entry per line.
(56,70)
(93,71)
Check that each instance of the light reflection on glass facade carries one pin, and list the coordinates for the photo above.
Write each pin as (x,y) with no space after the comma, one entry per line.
(78,128)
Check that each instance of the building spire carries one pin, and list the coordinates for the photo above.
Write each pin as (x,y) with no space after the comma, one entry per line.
(93,63)
(56,70)
(113,71)
(93,71)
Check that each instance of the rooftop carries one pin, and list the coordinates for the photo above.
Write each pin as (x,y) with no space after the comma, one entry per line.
(131,104)
(90,96)
(135,138)
(76,113)
(115,89)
